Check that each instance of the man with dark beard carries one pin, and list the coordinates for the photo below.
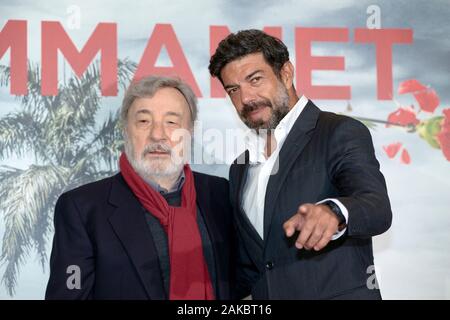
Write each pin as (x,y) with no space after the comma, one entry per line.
(156,230)
(307,193)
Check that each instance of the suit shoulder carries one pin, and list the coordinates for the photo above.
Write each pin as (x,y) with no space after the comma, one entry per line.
(209,179)
(338,121)
(97,189)
(86,202)
(216,186)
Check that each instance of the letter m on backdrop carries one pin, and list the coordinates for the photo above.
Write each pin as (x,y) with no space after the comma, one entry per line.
(13,36)
(103,39)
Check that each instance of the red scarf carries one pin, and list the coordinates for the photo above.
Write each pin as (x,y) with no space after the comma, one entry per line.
(189,277)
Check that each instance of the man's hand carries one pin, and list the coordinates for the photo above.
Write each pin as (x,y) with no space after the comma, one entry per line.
(316,223)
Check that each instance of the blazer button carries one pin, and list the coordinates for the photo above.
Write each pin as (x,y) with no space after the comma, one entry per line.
(269,265)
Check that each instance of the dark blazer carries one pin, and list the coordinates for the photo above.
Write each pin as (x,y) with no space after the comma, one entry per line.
(324,156)
(101,228)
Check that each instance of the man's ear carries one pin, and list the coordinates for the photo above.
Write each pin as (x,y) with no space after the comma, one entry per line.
(287,74)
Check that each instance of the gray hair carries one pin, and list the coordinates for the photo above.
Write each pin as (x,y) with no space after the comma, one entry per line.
(148,86)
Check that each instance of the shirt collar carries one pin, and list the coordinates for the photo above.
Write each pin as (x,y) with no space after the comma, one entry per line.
(256,143)
(176,187)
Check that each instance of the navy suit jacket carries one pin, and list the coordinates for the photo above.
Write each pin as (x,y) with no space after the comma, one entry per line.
(324,156)
(101,229)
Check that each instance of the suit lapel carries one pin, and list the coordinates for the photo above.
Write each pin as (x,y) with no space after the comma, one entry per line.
(128,222)
(293,146)
(243,167)
(204,205)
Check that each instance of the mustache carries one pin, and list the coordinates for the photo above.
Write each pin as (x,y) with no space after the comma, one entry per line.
(250,107)
(157,147)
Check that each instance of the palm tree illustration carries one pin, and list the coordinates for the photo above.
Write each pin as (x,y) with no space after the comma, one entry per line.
(69,147)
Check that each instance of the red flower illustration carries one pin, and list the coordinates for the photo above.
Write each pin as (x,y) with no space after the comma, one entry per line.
(403,116)
(406,159)
(392,149)
(409,86)
(435,130)
(428,100)
(444,135)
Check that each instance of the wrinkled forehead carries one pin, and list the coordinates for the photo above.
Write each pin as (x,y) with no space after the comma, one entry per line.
(163,101)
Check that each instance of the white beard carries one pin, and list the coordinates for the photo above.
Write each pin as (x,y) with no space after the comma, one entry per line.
(152,170)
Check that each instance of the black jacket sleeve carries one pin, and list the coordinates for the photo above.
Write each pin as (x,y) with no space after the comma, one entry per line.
(72,258)
(355,173)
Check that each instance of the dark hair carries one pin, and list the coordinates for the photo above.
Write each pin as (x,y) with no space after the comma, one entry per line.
(244,42)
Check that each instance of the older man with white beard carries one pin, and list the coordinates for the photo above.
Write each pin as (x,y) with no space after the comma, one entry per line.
(156,230)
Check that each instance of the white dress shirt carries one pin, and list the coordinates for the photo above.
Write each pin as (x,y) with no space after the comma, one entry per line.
(261,167)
